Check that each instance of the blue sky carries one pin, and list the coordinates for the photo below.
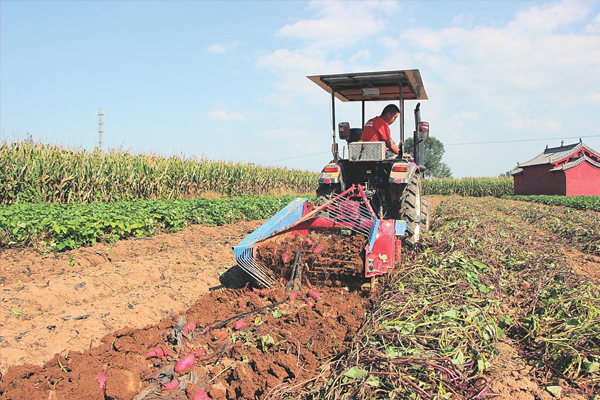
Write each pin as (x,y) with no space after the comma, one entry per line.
(227,79)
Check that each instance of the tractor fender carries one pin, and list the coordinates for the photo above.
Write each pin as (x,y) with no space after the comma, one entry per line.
(403,172)
(330,174)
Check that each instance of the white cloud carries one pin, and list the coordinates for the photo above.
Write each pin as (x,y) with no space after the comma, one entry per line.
(340,23)
(554,126)
(217,48)
(223,115)
(542,124)
(389,42)
(525,62)
(220,48)
(337,25)
(293,68)
(594,97)
(593,27)
(362,54)
(550,16)
(298,60)
(464,20)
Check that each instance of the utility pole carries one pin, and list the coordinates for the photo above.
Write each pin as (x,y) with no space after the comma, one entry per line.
(100,113)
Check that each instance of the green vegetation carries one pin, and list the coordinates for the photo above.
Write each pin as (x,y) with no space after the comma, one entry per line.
(40,173)
(577,202)
(476,187)
(484,273)
(581,230)
(63,227)
(431,334)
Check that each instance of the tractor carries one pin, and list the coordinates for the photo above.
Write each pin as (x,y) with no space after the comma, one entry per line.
(371,199)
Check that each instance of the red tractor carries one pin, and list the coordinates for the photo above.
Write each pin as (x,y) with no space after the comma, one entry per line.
(391,183)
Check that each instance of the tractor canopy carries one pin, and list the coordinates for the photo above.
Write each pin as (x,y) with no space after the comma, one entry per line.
(373,86)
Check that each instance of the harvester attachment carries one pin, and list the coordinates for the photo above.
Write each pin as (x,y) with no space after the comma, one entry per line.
(341,241)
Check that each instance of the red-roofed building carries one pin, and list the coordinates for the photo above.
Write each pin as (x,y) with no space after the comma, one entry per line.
(572,170)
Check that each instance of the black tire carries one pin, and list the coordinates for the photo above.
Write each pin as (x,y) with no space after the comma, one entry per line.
(411,210)
(424,213)
(325,193)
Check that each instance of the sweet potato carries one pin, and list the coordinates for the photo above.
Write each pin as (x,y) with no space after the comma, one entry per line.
(286,256)
(158,352)
(102,379)
(189,327)
(199,352)
(201,395)
(315,295)
(206,328)
(151,354)
(185,363)
(171,385)
(240,324)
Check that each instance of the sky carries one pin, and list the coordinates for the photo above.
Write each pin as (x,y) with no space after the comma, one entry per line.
(226,80)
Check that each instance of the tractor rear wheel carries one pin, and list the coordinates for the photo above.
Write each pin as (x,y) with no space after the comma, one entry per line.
(424,213)
(326,193)
(411,210)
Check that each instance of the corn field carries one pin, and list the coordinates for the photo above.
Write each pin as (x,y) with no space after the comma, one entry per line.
(476,187)
(42,173)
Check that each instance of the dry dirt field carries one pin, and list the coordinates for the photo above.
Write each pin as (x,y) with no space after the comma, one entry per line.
(70,301)
(79,325)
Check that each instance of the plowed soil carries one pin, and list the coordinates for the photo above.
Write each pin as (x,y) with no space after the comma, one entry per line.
(78,325)
(85,324)
(53,303)
(326,257)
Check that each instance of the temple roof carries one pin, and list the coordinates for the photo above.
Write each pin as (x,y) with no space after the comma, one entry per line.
(563,154)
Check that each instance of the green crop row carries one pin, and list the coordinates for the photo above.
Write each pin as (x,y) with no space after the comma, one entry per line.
(476,187)
(577,202)
(61,227)
(480,275)
(41,173)
(429,336)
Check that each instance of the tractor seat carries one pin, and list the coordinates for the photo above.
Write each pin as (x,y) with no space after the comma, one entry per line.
(355,134)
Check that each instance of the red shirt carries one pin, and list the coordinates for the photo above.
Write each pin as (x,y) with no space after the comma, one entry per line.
(376,130)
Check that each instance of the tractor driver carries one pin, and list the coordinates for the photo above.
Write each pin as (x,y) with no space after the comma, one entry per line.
(378,129)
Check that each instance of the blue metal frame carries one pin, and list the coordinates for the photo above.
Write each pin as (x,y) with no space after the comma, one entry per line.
(244,250)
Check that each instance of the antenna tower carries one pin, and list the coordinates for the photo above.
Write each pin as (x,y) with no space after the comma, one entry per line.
(100,113)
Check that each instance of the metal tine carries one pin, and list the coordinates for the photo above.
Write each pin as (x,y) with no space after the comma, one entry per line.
(296,276)
(340,212)
(344,214)
(261,272)
(349,205)
(246,259)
